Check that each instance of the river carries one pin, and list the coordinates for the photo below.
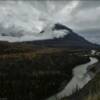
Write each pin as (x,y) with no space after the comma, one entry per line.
(80,78)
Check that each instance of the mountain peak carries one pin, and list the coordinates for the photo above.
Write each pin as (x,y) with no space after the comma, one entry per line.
(59,26)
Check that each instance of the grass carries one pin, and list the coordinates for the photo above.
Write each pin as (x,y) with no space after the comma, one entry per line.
(94,89)
(93,97)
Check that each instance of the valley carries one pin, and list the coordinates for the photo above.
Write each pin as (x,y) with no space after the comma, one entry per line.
(49,49)
(36,73)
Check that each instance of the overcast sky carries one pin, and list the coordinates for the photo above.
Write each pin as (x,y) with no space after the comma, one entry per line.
(29,17)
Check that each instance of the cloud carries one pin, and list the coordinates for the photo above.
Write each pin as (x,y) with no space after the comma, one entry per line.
(20,15)
(27,18)
(22,21)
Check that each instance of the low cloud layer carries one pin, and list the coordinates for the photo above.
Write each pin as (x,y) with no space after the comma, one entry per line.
(24,19)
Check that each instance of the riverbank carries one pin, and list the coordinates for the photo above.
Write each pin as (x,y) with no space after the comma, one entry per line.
(90,91)
(80,78)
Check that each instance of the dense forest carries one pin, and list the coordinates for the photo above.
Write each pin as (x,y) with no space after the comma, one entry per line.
(36,73)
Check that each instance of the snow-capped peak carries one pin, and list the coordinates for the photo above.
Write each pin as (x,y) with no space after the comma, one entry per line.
(56,31)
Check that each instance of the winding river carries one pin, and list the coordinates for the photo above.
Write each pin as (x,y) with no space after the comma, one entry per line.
(81,77)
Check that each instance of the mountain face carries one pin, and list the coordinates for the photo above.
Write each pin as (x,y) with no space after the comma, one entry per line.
(69,39)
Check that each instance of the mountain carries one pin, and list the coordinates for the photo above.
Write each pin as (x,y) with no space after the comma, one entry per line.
(58,35)
(69,38)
